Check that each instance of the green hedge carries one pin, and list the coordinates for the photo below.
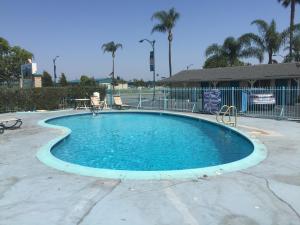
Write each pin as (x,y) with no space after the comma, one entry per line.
(47,98)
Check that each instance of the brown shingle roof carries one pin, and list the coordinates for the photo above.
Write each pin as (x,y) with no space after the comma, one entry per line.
(256,72)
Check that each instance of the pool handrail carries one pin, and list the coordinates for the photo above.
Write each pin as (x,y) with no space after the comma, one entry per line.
(229,111)
(221,111)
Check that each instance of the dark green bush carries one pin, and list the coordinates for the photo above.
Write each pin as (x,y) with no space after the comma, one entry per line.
(47,98)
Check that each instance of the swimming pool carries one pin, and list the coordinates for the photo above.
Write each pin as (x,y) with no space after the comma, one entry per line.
(146,143)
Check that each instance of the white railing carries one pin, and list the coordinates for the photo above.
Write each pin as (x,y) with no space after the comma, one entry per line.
(270,102)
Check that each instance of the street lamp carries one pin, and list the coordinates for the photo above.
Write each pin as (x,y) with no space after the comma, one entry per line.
(152,61)
(187,67)
(54,68)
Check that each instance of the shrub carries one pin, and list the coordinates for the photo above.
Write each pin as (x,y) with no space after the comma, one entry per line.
(47,80)
(63,80)
(48,98)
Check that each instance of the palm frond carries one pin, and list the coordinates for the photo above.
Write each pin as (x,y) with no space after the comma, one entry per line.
(166,20)
(215,62)
(118,45)
(213,50)
(174,15)
(297,27)
(160,16)
(245,40)
(231,45)
(111,47)
(285,3)
(272,26)
(159,28)
(261,25)
(255,39)
(253,52)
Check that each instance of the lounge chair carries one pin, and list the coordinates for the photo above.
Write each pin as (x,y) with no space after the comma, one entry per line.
(96,103)
(96,94)
(10,123)
(119,103)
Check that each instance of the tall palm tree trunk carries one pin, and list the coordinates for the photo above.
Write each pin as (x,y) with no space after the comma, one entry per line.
(270,54)
(292,27)
(170,59)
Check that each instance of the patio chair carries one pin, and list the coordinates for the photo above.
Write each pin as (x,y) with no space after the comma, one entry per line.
(96,104)
(118,102)
(96,94)
(10,123)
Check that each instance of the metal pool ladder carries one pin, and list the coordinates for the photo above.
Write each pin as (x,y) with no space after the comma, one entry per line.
(227,115)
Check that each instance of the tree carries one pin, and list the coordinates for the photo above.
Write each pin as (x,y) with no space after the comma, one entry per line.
(166,22)
(87,81)
(112,47)
(268,40)
(11,59)
(292,4)
(47,79)
(295,51)
(138,83)
(4,46)
(63,80)
(120,80)
(230,53)
(215,62)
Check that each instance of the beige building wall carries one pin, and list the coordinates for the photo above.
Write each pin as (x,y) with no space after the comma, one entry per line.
(121,86)
(117,87)
(37,82)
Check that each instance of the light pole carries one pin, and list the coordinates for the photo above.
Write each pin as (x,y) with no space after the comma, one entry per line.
(152,62)
(54,68)
(187,67)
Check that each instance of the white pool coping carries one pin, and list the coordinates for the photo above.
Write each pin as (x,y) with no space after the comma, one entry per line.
(44,155)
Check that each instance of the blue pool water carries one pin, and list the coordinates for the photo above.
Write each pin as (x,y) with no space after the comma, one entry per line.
(147,142)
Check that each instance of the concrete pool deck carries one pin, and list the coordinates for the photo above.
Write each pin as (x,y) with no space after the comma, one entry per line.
(32,193)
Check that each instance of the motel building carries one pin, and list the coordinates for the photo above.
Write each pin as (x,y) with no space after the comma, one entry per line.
(264,75)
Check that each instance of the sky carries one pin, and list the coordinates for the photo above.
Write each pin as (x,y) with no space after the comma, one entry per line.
(76,30)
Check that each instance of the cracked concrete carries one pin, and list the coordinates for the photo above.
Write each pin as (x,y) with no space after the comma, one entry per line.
(273,192)
(33,194)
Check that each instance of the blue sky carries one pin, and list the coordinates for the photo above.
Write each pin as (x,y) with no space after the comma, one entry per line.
(75,30)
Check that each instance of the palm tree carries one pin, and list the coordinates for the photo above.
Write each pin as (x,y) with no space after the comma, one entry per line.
(112,47)
(292,4)
(268,40)
(230,52)
(167,21)
(296,49)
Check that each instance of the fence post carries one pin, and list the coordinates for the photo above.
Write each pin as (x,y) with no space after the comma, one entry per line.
(283,101)
(140,98)
(165,100)
(194,99)
(232,96)
(111,97)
